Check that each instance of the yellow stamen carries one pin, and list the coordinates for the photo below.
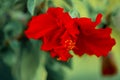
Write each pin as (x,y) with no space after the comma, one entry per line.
(69,44)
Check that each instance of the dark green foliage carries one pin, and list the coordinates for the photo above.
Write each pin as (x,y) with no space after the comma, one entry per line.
(5,71)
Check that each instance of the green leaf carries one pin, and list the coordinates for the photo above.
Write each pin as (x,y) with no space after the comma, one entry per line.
(31,6)
(74,13)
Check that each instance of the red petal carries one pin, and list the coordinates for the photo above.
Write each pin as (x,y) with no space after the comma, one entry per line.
(52,39)
(55,11)
(61,54)
(87,22)
(91,40)
(98,19)
(97,42)
(37,27)
(72,29)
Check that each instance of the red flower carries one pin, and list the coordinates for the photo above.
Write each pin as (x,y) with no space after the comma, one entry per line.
(55,28)
(109,66)
(60,33)
(92,40)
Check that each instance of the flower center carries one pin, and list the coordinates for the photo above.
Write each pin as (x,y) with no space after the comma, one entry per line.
(69,44)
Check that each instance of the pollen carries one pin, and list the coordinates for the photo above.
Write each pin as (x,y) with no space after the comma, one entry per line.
(69,44)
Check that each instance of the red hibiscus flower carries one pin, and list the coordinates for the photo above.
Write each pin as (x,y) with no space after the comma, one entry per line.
(56,28)
(60,33)
(92,40)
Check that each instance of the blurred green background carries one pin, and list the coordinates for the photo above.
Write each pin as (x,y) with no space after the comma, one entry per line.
(22,59)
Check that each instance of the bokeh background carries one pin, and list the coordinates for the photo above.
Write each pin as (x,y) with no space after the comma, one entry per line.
(22,59)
